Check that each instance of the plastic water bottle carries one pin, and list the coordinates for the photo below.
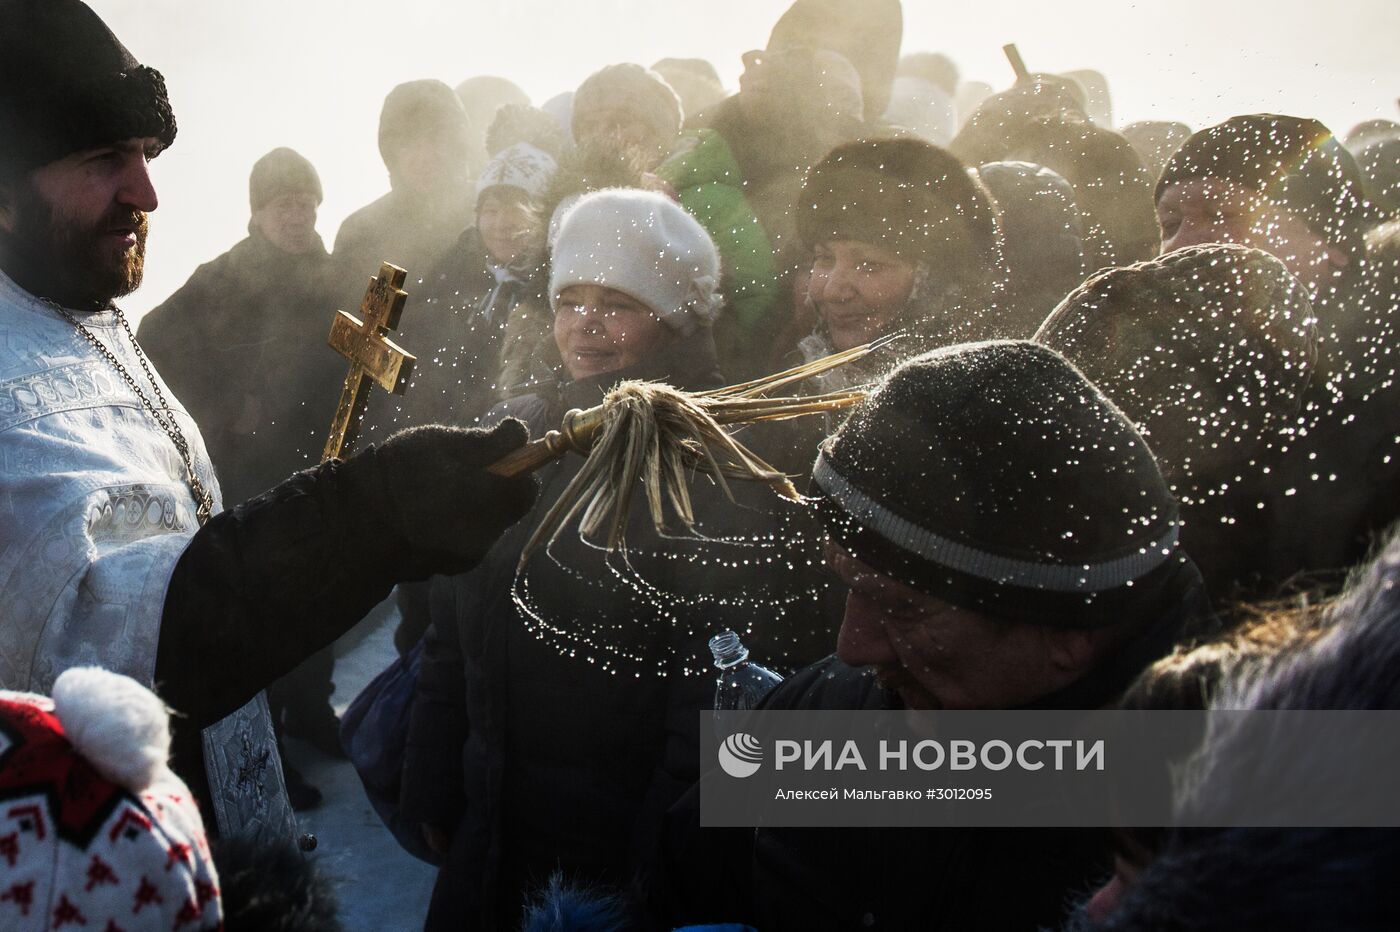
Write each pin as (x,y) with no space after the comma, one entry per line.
(741,683)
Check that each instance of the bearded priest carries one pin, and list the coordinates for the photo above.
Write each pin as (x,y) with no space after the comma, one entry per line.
(115,549)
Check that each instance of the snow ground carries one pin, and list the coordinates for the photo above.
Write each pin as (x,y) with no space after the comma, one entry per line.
(381,887)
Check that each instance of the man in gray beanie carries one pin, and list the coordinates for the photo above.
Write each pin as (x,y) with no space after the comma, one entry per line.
(1008,542)
(259,313)
(115,547)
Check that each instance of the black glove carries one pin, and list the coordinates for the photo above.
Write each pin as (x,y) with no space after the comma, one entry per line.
(428,488)
(269,582)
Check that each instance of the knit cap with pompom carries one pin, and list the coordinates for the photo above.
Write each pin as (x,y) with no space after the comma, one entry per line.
(120,726)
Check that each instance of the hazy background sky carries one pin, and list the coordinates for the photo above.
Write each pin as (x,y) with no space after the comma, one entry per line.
(311,74)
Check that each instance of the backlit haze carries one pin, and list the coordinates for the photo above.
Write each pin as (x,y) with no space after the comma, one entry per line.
(247,77)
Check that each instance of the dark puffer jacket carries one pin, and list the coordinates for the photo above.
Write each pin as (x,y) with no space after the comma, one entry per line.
(540,757)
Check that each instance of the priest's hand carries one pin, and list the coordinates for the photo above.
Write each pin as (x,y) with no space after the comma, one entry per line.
(270,581)
(430,488)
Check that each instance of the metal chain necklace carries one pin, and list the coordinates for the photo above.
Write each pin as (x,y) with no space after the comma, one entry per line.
(162,414)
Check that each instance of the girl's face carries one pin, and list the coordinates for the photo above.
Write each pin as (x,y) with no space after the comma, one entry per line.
(509,228)
(859,290)
(600,330)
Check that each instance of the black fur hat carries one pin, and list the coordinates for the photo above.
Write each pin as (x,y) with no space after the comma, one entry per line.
(68,84)
(904,194)
(1295,162)
(996,477)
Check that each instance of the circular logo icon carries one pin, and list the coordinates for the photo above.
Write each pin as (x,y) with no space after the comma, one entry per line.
(740,755)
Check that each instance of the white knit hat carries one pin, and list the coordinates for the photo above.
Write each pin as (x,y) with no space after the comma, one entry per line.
(522,166)
(644,245)
(96,831)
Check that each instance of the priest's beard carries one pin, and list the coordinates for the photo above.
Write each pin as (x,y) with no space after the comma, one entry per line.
(75,263)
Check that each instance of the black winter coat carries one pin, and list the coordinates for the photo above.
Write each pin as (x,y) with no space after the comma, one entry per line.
(243,345)
(542,759)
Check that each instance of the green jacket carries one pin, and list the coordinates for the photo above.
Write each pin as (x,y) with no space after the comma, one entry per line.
(710,185)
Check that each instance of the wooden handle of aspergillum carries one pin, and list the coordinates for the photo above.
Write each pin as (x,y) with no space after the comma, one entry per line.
(524,460)
(1018,64)
(575,433)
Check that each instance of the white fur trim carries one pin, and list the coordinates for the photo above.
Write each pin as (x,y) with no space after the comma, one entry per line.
(120,726)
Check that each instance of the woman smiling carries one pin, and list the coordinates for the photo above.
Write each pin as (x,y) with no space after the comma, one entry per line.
(523,759)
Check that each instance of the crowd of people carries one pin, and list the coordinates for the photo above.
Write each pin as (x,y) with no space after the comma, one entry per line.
(1132,439)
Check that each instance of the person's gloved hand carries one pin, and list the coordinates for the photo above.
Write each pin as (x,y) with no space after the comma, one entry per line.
(429,489)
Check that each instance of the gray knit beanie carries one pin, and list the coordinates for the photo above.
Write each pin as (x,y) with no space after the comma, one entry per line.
(996,477)
(282,171)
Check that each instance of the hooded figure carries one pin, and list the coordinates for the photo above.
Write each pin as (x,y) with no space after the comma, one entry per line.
(425,141)
(867,34)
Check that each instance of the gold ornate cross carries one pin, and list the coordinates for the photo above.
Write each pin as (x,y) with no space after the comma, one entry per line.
(373,357)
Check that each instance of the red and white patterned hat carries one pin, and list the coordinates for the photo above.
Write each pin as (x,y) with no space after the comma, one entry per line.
(96,832)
